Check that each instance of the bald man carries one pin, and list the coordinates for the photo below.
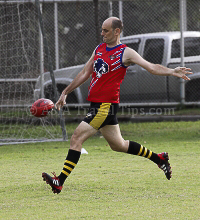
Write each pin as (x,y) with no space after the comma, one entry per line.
(107,66)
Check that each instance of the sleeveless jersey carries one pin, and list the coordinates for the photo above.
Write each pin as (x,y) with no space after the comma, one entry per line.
(108,74)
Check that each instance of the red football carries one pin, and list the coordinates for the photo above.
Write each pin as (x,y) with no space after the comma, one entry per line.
(41,107)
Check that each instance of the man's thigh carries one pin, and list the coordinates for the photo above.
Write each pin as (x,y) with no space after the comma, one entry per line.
(83,132)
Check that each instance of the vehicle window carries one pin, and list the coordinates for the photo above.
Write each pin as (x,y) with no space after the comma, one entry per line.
(153,50)
(192,47)
(133,43)
(134,46)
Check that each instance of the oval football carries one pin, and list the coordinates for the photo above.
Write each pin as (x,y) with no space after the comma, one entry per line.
(41,107)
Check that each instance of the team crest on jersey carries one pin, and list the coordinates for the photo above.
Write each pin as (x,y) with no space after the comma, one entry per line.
(112,57)
(100,67)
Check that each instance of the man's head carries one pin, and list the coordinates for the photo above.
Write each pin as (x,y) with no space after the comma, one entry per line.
(111,29)
(117,23)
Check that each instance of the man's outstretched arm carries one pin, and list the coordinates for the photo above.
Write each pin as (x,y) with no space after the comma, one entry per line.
(131,56)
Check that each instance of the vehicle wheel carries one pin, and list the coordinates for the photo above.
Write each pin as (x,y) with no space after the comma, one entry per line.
(49,94)
(71,98)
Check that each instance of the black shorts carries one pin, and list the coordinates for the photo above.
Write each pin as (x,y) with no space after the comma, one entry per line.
(102,114)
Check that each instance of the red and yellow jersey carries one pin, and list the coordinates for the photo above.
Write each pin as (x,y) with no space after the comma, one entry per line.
(108,74)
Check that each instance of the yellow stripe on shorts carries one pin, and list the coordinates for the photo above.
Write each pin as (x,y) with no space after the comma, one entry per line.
(101,115)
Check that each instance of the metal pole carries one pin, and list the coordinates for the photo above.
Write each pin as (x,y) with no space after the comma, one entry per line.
(56,34)
(50,68)
(96,19)
(182,25)
(185,14)
(121,14)
(110,8)
(41,61)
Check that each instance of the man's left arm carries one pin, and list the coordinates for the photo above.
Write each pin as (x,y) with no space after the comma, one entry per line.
(131,56)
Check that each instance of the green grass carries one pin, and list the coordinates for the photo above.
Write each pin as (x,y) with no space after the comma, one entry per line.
(106,184)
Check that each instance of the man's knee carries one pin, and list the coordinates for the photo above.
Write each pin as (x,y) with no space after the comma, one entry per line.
(75,141)
(120,147)
(81,134)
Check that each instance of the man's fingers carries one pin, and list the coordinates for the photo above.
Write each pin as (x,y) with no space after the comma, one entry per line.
(57,106)
(185,77)
(61,102)
(189,73)
(186,70)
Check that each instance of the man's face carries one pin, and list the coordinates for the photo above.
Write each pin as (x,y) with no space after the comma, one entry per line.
(107,32)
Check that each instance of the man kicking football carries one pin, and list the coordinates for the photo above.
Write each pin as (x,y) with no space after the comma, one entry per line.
(107,66)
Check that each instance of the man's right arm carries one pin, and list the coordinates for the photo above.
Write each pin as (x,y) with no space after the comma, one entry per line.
(83,76)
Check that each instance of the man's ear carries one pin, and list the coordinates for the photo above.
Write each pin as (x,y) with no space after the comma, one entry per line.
(117,31)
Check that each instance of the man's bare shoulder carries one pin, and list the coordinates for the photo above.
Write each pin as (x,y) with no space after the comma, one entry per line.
(129,51)
(128,55)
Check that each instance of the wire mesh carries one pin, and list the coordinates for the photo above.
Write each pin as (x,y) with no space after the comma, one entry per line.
(77,39)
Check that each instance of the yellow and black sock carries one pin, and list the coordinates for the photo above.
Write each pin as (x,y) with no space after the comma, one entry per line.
(70,163)
(138,149)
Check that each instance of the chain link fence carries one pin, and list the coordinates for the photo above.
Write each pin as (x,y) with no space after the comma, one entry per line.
(73,30)
(76,23)
(78,35)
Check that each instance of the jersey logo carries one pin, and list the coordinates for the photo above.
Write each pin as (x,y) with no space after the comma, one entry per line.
(100,67)
(112,57)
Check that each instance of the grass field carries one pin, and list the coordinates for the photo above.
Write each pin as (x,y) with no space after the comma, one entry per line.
(106,184)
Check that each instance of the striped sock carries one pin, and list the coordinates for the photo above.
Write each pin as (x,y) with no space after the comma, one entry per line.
(138,149)
(70,163)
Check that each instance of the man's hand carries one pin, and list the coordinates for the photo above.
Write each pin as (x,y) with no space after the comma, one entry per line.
(181,71)
(61,102)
